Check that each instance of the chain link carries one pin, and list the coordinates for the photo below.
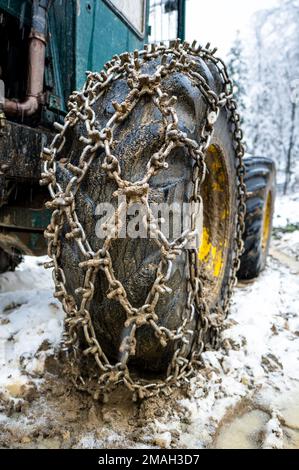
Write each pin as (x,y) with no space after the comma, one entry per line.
(187,343)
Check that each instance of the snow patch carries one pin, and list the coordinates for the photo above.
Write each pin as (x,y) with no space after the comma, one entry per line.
(31,323)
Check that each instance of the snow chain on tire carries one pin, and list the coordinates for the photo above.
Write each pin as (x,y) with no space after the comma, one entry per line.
(176,57)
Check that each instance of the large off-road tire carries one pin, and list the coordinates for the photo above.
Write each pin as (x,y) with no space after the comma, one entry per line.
(9,261)
(135,261)
(260,183)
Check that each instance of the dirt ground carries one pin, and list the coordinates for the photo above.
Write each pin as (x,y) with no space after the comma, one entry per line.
(56,416)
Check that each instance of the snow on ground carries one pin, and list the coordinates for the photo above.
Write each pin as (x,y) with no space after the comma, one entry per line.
(262,358)
(31,324)
(286,210)
(286,225)
(246,396)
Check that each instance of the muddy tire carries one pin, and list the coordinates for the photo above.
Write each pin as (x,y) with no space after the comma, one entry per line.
(135,261)
(9,261)
(260,183)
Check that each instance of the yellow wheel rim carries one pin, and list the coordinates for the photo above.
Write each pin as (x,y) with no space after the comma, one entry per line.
(215,223)
(267,222)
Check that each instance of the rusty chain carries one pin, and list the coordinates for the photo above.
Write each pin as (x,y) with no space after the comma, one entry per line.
(188,344)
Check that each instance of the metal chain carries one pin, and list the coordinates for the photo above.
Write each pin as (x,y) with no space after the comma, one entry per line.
(176,57)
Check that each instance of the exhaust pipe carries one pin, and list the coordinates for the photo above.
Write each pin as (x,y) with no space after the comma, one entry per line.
(36,64)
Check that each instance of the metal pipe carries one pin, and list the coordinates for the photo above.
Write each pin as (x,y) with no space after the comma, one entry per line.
(36,64)
(181,19)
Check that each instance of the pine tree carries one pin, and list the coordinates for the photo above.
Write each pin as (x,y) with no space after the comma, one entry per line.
(237,68)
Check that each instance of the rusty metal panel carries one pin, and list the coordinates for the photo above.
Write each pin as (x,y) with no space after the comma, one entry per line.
(20,148)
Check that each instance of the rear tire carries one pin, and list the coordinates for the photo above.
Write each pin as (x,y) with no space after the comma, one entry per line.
(260,183)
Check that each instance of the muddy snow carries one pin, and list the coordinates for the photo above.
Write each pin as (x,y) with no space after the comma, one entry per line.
(247,396)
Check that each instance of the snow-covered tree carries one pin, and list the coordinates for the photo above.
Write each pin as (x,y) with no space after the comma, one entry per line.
(237,68)
(272,119)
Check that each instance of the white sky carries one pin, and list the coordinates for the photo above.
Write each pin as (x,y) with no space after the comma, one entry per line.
(217,21)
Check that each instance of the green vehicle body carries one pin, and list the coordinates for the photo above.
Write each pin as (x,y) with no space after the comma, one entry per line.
(82,35)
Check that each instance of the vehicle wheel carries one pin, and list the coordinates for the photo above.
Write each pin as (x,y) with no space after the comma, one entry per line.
(135,261)
(260,183)
(9,261)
